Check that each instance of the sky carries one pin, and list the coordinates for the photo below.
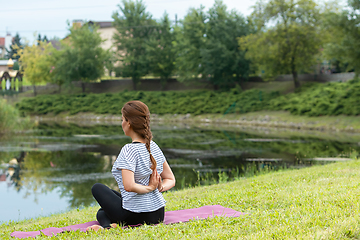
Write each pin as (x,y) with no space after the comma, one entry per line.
(49,17)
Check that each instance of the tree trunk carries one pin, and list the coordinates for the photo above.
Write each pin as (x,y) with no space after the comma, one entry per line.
(34,90)
(135,83)
(83,86)
(296,80)
(163,82)
(294,73)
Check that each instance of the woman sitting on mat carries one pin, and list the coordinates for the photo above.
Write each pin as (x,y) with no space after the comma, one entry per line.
(141,172)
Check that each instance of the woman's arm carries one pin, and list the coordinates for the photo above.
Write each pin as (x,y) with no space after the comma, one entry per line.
(168,178)
(131,186)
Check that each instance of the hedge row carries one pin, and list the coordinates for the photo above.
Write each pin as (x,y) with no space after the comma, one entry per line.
(333,98)
(173,102)
(311,100)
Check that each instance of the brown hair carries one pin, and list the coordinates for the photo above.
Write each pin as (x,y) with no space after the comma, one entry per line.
(138,115)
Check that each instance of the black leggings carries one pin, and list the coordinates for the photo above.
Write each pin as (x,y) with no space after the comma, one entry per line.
(111,210)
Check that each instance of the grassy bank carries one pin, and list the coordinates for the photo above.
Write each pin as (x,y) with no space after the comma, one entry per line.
(314,203)
(312,99)
(328,107)
(10,119)
(260,119)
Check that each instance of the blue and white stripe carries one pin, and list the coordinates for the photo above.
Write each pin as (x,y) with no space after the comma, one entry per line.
(136,158)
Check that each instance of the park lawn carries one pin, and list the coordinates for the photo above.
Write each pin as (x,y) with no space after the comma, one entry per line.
(320,202)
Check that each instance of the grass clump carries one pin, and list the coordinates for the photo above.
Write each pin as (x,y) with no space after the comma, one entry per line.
(313,203)
(10,119)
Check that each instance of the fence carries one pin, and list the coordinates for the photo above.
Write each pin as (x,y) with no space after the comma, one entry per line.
(173,84)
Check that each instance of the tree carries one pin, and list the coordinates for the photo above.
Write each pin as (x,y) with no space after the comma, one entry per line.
(39,39)
(190,38)
(35,62)
(343,27)
(221,56)
(82,58)
(287,39)
(61,66)
(134,26)
(14,47)
(45,39)
(160,52)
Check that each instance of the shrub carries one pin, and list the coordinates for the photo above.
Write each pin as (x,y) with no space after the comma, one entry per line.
(10,119)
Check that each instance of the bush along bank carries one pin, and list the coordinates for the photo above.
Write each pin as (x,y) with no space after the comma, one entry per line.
(330,99)
(315,99)
(174,102)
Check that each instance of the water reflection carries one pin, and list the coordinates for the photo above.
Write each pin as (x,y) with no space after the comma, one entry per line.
(62,162)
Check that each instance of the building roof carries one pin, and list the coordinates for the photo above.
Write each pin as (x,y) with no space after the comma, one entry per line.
(56,44)
(103,24)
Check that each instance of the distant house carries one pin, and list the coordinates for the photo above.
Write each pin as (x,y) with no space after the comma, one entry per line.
(107,31)
(4,65)
(5,43)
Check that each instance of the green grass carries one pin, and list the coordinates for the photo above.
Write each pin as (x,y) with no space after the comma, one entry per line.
(10,119)
(28,83)
(314,203)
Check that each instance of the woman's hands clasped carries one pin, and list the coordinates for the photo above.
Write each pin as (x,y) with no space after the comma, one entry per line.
(155,181)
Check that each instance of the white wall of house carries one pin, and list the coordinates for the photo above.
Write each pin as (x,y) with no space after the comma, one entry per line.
(8,41)
(107,35)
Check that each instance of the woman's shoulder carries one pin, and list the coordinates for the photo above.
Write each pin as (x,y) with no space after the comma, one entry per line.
(127,147)
(153,144)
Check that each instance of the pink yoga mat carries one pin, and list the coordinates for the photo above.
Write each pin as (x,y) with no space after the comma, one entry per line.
(170,217)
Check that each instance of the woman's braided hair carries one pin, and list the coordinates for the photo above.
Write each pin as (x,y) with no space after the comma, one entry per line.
(138,115)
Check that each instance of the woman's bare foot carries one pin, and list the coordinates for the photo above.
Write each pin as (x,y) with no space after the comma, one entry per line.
(113,225)
(94,227)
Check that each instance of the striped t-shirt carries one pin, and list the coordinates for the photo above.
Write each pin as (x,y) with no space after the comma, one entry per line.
(136,158)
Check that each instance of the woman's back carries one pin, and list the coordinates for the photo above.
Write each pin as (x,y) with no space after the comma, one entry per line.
(135,157)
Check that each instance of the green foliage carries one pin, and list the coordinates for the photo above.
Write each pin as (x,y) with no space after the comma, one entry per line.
(14,48)
(175,102)
(189,41)
(207,47)
(10,118)
(83,58)
(61,66)
(291,45)
(222,58)
(322,99)
(35,62)
(16,66)
(44,39)
(313,99)
(160,52)
(134,27)
(343,45)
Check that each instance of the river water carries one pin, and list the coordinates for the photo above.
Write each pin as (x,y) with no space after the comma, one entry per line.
(51,169)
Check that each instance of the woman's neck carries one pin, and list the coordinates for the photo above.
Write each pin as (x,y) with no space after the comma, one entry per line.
(136,138)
